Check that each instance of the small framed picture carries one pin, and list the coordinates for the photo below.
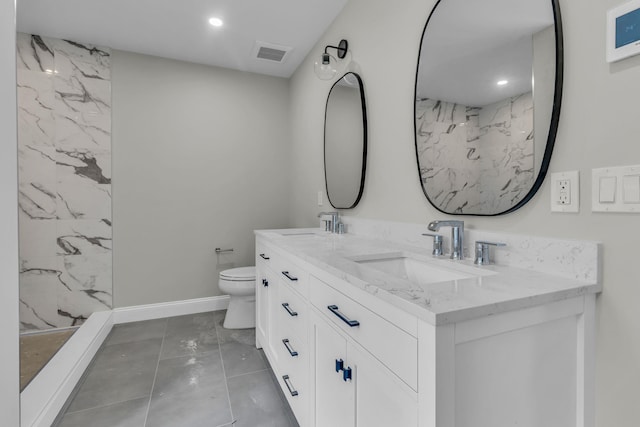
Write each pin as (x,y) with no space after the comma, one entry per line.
(623,31)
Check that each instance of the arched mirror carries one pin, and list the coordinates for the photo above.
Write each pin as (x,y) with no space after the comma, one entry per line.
(345,142)
(487,102)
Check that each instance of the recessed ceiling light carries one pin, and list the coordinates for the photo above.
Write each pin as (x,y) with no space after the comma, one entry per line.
(502,82)
(216,22)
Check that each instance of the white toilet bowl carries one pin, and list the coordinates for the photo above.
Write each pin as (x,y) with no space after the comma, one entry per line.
(240,285)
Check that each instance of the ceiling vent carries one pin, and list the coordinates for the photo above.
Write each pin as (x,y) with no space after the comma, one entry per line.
(271,52)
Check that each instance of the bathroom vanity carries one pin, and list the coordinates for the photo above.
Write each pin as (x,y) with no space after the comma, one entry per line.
(369,331)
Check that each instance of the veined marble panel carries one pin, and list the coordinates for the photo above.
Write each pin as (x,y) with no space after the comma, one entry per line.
(64,103)
(34,53)
(85,287)
(37,238)
(83,237)
(476,160)
(36,99)
(39,281)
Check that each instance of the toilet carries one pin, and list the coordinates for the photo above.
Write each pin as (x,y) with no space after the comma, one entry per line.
(240,285)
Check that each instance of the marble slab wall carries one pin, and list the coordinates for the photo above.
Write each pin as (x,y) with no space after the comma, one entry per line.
(476,160)
(64,160)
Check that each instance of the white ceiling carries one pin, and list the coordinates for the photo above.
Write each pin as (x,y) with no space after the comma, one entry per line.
(470,45)
(179,29)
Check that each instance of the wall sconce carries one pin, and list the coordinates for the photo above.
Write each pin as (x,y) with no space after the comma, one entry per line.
(326,67)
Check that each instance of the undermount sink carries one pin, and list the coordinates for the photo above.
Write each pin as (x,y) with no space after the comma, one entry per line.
(417,271)
(298,233)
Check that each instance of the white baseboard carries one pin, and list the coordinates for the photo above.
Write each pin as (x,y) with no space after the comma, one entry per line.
(45,396)
(137,313)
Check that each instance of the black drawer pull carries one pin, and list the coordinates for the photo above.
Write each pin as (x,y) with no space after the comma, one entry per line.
(289,386)
(289,276)
(291,312)
(287,345)
(264,256)
(265,282)
(345,319)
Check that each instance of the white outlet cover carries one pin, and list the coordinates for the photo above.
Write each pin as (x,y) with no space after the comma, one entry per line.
(574,179)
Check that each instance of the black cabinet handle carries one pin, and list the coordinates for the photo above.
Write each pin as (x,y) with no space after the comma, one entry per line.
(346,374)
(289,386)
(286,307)
(263,256)
(287,345)
(265,282)
(289,276)
(345,319)
(339,365)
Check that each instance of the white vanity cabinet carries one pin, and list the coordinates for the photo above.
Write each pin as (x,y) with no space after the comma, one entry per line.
(346,357)
(353,388)
(282,314)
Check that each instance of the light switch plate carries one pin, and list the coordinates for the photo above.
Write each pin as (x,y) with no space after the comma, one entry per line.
(615,189)
(565,191)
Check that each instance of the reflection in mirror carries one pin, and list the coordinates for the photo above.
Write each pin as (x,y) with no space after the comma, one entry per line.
(488,92)
(345,142)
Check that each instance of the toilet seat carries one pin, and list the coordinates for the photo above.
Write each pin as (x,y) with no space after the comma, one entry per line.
(240,274)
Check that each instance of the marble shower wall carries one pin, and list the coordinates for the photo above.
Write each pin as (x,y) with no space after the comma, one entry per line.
(476,160)
(64,160)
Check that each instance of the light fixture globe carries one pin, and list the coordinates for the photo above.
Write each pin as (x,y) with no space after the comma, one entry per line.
(324,67)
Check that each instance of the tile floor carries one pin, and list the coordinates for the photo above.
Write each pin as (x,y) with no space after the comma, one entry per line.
(184,371)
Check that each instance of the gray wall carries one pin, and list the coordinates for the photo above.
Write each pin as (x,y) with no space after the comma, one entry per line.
(9,368)
(200,158)
(599,127)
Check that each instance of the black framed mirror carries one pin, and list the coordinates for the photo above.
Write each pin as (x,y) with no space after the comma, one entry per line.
(487,103)
(345,142)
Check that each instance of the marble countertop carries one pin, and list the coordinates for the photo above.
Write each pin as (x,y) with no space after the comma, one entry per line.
(496,289)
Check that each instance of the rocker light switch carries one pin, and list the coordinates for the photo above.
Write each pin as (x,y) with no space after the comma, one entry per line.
(631,188)
(607,189)
(616,189)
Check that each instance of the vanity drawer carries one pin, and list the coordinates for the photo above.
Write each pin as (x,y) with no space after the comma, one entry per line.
(293,312)
(293,276)
(265,256)
(395,348)
(295,388)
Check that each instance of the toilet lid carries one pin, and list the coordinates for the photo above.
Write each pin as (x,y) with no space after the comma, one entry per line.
(240,273)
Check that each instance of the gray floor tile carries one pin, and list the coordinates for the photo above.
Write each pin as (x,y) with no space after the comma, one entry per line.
(128,352)
(190,334)
(208,409)
(255,402)
(240,358)
(120,372)
(189,374)
(136,331)
(126,414)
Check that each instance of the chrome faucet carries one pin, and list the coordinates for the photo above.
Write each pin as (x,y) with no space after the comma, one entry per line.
(457,236)
(335,220)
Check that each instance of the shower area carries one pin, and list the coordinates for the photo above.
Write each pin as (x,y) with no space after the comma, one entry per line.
(64,162)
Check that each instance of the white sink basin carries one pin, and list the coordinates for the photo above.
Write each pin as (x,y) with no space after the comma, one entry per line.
(419,271)
(296,233)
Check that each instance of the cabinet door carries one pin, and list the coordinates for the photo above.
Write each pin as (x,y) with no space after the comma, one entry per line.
(263,281)
(334,403)
(382,399)
(272,314)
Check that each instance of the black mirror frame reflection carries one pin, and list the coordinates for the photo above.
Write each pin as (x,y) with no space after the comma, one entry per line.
(553,127)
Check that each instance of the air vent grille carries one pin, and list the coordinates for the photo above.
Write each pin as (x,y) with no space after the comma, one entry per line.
(271,52)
